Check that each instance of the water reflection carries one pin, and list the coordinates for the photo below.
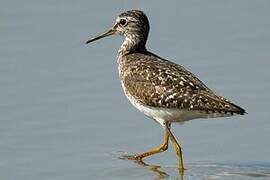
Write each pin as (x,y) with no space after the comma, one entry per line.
(159,173)
(207,171)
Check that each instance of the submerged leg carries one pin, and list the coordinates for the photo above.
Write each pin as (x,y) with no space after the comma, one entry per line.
(178,151)
(163,147)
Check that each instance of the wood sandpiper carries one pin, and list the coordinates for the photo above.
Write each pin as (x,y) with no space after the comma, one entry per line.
(161,89)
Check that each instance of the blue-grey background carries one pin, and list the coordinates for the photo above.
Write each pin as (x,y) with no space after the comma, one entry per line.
(63,114)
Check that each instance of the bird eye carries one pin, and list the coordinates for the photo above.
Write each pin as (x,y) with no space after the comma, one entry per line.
(123,22)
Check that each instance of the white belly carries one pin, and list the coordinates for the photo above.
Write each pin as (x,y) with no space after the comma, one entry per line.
(163,115)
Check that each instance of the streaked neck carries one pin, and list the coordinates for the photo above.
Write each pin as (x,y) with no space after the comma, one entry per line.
(132,43)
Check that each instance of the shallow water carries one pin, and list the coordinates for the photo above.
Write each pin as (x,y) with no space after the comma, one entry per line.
(64,115)
(193,171)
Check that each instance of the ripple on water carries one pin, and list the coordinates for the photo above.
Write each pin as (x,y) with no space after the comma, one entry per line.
(227,171)
(195,171)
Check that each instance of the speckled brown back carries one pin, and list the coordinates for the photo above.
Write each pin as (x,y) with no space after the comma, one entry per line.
(156,82)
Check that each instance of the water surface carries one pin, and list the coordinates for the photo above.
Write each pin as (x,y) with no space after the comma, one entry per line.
(64,115)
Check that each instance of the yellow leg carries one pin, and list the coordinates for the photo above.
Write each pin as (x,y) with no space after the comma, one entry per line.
(178,151)
(163,147)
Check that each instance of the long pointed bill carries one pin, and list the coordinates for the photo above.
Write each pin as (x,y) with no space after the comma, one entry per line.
(105,34)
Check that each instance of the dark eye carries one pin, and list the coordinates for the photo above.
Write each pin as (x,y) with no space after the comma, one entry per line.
(123,22)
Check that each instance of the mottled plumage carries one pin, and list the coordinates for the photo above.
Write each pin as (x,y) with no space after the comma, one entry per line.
(156,82)
(159,88)
(160,83)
